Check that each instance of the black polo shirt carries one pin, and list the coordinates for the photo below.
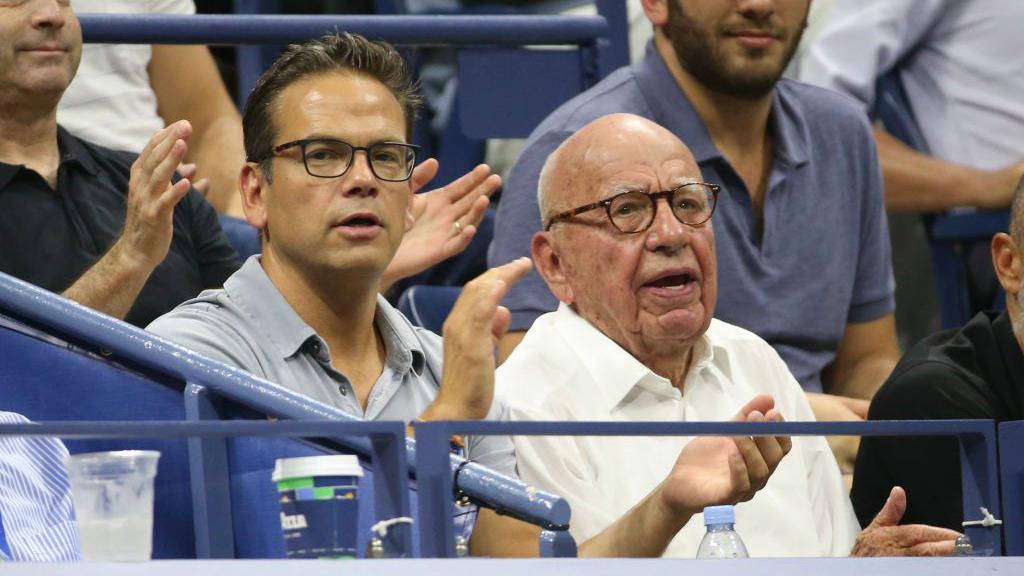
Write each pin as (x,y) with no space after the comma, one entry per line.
(50,237)
(975,372)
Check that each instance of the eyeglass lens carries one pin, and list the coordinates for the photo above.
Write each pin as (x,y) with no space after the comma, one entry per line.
(634,211)
(331,158)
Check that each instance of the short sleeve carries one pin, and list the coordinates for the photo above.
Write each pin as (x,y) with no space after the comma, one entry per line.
(874,287)
(518,219)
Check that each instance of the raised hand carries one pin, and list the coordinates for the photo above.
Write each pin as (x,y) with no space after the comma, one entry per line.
(148,226)
(885,537)
(471,333)
(715,470)
(444,220)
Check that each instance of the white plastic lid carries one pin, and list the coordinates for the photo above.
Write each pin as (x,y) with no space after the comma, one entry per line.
(309,466)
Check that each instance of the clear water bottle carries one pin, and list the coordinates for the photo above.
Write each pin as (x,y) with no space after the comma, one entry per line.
(721,541)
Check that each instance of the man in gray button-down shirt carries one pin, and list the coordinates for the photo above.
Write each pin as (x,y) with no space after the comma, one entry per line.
(327,182)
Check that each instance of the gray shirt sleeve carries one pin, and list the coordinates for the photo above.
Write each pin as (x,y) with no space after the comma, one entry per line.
(518,218)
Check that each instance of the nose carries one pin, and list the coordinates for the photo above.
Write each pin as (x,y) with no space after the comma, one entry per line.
(360,179)
(667,233)
(757,10)
(49,14)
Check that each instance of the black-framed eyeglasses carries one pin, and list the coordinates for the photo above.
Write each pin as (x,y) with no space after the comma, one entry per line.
(633,212)
(331,158)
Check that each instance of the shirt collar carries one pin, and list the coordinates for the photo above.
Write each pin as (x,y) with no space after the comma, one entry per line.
(672,109)
(252,290)
(614,370)
(1013,358)
(74,152)
(71,150)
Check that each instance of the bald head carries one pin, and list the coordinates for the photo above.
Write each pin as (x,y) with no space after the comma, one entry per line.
(570,171)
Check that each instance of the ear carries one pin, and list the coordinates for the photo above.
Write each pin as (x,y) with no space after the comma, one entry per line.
(253,187)
(656,11)
(550,266)
(1007,261)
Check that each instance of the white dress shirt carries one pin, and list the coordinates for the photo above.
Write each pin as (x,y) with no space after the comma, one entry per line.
(565,369)
(959,61)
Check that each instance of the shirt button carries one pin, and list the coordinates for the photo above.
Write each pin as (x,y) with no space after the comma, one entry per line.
(342,389)
(316,347)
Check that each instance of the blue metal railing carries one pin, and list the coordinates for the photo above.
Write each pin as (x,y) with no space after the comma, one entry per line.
(384,443)
(977,455)
(162,359)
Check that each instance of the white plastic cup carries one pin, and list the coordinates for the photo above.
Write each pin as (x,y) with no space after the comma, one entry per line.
(113,493)
(319,497)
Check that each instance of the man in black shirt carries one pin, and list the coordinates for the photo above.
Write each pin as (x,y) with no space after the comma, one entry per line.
(81,219)
(975,372)
(113,231)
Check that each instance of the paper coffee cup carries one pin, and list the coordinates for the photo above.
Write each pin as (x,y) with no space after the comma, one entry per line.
(319,497)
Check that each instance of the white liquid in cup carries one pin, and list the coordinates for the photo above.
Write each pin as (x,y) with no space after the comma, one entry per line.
(113,493)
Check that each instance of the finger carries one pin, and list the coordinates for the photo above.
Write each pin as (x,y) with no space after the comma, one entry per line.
(761,403)
(202,185)
(944,548)
(892,512)
(757,468)
(456,244)
(423,173)
(914,534)
(771,451)
(161,174)
(468,182)
(500,322)
(163,142)
(463,199)
(739,477)
(187,170)
(172,195)
(481,296)
(785,442)
(475,212)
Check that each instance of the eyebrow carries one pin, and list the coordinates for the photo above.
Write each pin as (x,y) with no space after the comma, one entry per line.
(319,136)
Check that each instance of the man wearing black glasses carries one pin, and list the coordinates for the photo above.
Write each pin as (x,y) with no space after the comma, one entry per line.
(629,251)
(119,232)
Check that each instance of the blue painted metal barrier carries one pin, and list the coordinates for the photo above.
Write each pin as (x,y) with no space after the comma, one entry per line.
(437,482)
(384,442)
(1011,472)
(152,357)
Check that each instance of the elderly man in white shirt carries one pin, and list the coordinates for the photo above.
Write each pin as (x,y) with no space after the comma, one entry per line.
(634,340)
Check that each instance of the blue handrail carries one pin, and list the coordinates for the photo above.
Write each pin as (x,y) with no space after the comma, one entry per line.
(977,450)
(219,29)
(96,331)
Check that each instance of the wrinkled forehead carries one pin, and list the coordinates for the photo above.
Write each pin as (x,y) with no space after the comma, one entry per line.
(627,164)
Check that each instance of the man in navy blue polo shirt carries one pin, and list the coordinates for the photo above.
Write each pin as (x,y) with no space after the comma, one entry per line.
(803,249)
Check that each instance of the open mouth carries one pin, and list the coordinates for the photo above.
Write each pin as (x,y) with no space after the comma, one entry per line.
(361,221)
(680,280)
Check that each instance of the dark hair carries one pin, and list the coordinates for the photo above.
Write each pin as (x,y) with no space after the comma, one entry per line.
(1017,214)
(330,53)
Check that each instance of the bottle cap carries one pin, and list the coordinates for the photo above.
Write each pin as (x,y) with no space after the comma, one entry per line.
(719,515)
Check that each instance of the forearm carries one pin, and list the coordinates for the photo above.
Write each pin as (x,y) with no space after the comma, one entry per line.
(112,284)
(643,532)
(862,379)
(218,153)
(916,182)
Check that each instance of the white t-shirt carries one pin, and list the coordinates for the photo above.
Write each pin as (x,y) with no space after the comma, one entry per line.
(110,101)
(565,369)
